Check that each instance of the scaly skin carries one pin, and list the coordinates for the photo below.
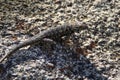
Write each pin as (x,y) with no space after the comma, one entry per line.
(52,33)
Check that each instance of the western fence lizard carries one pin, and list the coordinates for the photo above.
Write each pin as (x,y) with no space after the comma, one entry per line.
(52,33)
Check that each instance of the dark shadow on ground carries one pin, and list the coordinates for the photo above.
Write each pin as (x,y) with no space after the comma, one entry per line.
(69,64)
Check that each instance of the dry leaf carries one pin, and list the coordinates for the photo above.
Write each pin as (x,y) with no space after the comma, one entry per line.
(82,51)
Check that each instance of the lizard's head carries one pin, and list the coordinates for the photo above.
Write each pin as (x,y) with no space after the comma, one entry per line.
(80,26)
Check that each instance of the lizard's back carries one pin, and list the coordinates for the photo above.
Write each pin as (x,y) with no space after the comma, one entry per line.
(52,33)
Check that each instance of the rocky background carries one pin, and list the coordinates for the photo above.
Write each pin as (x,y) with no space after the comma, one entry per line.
(92,54)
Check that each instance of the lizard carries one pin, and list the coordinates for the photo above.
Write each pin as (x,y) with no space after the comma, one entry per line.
(51,33)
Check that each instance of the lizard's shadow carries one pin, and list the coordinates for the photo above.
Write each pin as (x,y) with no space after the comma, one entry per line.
(63,60)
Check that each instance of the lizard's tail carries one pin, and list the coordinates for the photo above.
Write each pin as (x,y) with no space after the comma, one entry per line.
(10,53)
(26,43)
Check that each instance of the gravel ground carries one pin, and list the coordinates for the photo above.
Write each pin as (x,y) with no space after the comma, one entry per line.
(92,54)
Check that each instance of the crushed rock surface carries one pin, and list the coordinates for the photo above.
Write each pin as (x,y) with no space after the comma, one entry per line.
(20,20)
